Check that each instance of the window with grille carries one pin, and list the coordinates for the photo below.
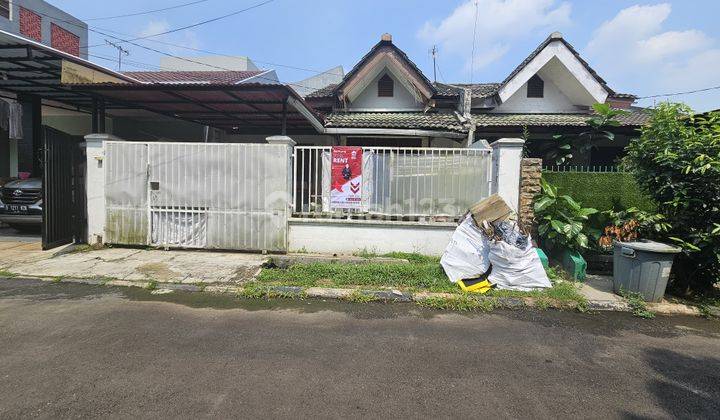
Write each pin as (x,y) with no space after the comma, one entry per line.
(5,8)
(535,87)
(385,86)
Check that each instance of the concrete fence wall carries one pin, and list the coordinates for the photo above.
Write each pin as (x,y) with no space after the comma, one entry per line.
(340,236)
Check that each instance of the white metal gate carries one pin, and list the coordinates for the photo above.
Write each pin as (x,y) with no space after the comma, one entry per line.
(197,195)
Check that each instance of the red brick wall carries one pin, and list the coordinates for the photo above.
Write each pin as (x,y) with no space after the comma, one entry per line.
(64,40)
(30,24)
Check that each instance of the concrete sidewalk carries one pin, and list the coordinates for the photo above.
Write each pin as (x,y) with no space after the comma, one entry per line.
(27,259)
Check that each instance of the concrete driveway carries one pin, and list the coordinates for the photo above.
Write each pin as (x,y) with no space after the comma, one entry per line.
(92,351)
(27,259)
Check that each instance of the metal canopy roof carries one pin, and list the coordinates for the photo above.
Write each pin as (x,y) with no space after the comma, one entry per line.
(245,107)
(28,67)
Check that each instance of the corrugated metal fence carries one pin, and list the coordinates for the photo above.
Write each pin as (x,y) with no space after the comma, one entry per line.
(397,182)
(197,195)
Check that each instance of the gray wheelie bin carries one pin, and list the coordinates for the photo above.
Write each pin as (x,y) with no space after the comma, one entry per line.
(643,267)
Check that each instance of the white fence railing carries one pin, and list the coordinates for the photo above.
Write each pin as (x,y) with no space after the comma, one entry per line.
(407,183)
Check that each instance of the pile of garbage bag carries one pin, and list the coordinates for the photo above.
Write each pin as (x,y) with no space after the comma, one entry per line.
(493,253)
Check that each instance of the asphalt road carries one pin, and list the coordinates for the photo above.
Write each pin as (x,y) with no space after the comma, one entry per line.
(92,351)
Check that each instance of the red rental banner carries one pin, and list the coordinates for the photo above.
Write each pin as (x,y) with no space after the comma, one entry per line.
(346,177)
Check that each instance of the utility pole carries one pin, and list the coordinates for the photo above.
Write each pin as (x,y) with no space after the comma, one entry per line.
(434,57)
(121,51)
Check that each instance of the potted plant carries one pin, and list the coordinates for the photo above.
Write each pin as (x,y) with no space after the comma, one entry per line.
(561,226)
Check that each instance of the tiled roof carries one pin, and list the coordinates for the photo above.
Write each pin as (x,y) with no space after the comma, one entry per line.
(408,120)
(385,44)
(325,92)
(479,90)
(635,118)
(558,37)
(199,77)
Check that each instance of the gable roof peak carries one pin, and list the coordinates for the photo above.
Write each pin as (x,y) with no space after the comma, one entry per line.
(556,35)
(386,37)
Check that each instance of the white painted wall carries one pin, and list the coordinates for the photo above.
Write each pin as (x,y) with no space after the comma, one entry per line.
(402,99)
(565,70)
(349,236)
(506,162)
(553,101)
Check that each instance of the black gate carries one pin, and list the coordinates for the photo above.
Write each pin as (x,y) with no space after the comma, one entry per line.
(64,208)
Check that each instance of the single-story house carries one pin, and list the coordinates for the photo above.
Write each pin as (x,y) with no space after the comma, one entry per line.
(550,92)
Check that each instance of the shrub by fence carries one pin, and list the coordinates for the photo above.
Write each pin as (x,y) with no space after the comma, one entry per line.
(601,190)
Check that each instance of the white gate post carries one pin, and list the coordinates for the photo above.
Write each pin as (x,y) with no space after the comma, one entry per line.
(95,185)
(290,144)
(506,161)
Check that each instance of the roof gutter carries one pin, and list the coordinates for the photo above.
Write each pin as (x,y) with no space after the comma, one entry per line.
(393,132)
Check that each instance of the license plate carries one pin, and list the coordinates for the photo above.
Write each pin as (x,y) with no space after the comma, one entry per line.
(15,208)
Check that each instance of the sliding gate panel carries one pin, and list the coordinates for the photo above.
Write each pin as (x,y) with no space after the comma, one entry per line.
(205,195)
(126,184)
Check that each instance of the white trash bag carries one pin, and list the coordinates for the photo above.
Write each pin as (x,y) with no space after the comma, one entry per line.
(466,256)
(516,269)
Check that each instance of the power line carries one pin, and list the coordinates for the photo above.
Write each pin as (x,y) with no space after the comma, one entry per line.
(102,31)
(147,12)
(680,93)
(194,25)
(168,54)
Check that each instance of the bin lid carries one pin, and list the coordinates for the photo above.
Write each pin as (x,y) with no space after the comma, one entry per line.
(650,246)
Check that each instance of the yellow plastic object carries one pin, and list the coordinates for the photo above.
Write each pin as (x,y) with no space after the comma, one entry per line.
(475,287)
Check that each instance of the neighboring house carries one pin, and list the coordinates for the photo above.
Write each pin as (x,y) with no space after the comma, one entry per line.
(312,84)
(42,22)
(208,63)
(550,92)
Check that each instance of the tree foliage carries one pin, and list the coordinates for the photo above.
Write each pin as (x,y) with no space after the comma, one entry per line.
(676,161)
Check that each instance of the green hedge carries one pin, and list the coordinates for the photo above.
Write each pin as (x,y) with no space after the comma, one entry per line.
(601,190)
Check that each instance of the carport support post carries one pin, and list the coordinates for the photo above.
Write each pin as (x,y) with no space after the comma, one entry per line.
(506,163)
(95,185)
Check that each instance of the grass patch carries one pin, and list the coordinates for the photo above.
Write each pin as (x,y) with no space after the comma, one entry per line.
(255,290)
(152,285)
(359,297)
(460,303)
(424,273)
(7,274)
(637,304)
(420,276)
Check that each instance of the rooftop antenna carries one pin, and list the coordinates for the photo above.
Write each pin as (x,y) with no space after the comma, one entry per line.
(121,51)
(433,51)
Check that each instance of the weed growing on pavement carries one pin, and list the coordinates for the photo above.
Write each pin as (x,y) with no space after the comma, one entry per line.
(359,297)
(461,303)
(6,274)
(255,290)
(637,304)
(151,285)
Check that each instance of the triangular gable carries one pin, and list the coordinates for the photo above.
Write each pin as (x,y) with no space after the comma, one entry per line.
(385,55)
(557,59)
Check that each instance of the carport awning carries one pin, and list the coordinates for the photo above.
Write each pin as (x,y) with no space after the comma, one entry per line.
(242,108)
(30,68)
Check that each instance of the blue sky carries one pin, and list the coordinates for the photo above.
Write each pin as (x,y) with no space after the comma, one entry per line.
(640,47)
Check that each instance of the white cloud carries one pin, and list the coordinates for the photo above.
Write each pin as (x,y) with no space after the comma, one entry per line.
(185,38)
(155,27)
(499,23)
(635,54)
